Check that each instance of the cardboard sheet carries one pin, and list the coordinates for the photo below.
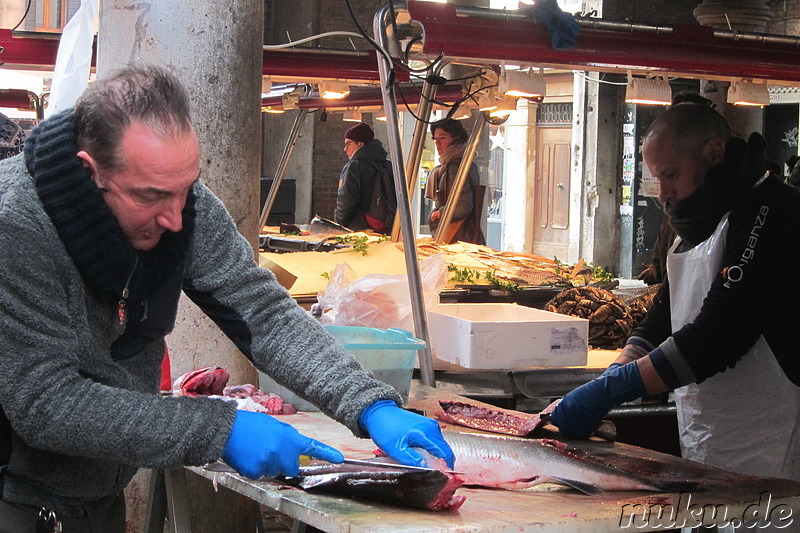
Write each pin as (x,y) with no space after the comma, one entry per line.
(382,257)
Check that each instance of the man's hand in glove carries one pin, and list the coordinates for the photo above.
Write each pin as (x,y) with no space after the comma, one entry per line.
(581,410)
(396,431)
(261,446)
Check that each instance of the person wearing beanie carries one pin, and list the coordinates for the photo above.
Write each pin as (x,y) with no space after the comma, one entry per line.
(361,134)
(368,162)
(451,139)
(105,221)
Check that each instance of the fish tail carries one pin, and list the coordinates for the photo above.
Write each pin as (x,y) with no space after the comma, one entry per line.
(676,486)
(585,488)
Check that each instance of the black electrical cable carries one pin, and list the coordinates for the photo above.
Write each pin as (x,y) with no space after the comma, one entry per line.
(422,95)
(408,46)
(407,59)
(372,43)
(383,52)
(435,79)
(473,93)
(460,100)
(408,107)
(27,8)
(393,18)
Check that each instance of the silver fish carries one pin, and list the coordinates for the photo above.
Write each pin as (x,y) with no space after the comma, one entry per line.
(515,463)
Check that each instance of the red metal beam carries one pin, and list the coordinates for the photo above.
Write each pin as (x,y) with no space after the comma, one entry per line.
(324,64)
(691,50)
(370,97)
(18,98)
(27,52)
(38,51)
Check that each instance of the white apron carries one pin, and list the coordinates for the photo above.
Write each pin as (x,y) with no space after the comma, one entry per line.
(745,419)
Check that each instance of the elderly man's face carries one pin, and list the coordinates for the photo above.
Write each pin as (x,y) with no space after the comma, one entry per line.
(680,172)
(148,194)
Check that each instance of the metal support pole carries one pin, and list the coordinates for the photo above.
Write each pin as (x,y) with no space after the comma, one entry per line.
(403,206)
(177,500)
(417,143)
(461,177)
(38,106)
(287,154)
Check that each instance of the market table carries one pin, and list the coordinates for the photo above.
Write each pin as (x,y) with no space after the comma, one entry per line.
(545,508)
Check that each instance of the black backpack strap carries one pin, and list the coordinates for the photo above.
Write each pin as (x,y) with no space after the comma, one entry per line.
(5,446)
(373,164)
(386,170)
(5,438)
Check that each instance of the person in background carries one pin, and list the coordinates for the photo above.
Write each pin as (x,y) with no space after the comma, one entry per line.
(357,181)
(450,138)
(12,137)
(719,333)
(104,220)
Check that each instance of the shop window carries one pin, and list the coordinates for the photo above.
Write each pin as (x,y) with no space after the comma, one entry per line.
(558,114)
(51,15)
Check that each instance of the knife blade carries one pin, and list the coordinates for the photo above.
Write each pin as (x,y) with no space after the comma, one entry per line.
(219,466)
(395,466)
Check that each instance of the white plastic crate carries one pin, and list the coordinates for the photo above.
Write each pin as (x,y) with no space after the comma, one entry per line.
(506,337)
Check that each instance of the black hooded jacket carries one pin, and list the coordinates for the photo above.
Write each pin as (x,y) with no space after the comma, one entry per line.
(356,185)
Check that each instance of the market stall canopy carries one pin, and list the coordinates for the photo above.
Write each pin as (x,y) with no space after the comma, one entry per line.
(491,36)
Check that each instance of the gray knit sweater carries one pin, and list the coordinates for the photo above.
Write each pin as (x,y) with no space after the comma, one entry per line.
(82,421)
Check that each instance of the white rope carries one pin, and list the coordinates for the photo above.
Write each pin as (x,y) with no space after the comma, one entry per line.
(312,38)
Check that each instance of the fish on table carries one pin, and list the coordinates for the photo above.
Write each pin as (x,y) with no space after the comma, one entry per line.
(496,461)
(507,421)
(491,461)
(385,482)
(421,488)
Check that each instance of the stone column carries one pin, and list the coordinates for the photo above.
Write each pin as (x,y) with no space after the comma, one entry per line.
(598,121)
(11,13)
(215,49)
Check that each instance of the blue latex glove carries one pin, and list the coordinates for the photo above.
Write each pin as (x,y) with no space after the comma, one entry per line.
(610,368)
(580,411)
(396,430)
(261,446)
(563,27)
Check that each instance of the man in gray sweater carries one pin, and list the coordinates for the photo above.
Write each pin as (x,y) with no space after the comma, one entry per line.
(103,222)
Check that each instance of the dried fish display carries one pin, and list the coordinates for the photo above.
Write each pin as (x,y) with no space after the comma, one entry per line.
(610,322)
